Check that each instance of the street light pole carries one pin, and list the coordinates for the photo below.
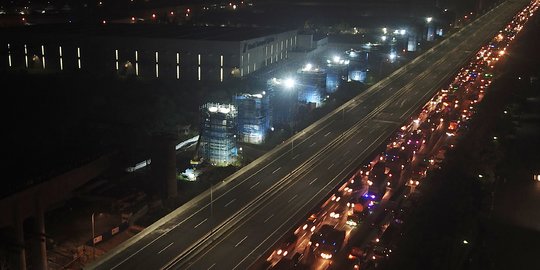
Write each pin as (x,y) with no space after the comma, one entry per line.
(93,237)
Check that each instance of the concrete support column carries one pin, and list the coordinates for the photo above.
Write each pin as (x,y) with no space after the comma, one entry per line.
(39,243)
(164,166)
(19,239)
(412,42)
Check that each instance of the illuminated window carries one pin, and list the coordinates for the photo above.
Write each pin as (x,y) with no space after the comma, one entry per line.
(137,63)
(43,56)
(61,61)
(157,67)
(177,65)
(79,57)
(116,58)
(25,56)
(9,55)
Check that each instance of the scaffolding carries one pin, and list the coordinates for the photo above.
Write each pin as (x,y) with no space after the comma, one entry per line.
(336,72)
(283,102)
(253,121)
(218,139)
(312,83)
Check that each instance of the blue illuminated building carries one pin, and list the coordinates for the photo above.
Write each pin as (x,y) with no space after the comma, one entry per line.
(218,129)
(336,72)
(283,101)
(253,121)
(357,65)
(312,85)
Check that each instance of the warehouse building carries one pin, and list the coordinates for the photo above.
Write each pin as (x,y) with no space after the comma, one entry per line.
(159,51)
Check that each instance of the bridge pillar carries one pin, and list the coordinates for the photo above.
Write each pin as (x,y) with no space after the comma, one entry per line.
(39,245)
(164,166)
(412,42)
(20,259)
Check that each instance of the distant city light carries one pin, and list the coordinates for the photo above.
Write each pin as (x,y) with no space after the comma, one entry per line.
(402,32)
(429,19)
(383,38)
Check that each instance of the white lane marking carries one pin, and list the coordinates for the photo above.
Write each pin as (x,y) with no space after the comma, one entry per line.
(296,156)
(311,134)
(230,202)
(237,244)
(327,133)
(165,247)
(312,144)
(312,181)
(200,223)
(292,198)
(268,218)
(254,185)
(360,141)
(211,266)
(346,152)
(276,170)
(331,166)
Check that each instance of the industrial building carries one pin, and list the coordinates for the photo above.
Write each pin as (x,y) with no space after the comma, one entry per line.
(254,115)
(148,50)
(218,134)
(312,85)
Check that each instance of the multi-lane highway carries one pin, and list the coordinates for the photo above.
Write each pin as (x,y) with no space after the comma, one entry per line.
(234,223)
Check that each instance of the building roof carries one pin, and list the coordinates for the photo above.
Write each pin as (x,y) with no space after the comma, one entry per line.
(144,30)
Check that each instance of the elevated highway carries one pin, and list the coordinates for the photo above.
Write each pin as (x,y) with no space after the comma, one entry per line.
(232,224)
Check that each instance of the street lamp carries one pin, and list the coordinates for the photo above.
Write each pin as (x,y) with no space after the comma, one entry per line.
(93,237)
(289,83)
(429,19)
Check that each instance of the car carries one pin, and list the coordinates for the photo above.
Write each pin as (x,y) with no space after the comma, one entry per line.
(311,224)
(355,253)
(286,246)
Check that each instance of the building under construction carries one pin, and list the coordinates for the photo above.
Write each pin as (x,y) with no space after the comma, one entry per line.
(253,121)
(336,72)
(218,129)
(283,101)
(312,85)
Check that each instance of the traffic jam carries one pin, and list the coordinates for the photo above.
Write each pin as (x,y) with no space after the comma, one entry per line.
(359,224)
